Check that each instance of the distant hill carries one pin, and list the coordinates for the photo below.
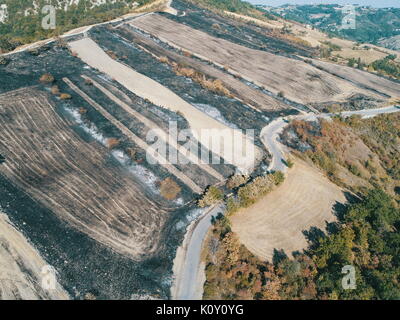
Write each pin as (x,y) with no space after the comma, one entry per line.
(373,25)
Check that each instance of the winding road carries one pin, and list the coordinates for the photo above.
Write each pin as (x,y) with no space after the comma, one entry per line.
(189,276)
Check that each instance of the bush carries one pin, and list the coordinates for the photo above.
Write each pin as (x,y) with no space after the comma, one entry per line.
(88,82)
(164,60)
(169,189)
(278,178)
(112,143)
(65,96)
(55,90)
(236,181)
(210,197)
(290,163)
(3,61)
(47,78)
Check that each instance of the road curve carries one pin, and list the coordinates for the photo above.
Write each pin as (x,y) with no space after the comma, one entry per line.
(270,133)
(188,278)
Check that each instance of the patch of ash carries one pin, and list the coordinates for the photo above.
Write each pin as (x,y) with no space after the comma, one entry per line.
(189,218)
(214,113)
(90,129)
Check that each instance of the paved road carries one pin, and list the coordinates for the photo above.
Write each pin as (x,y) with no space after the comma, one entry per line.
(188,284)
(270,133)
(371,112)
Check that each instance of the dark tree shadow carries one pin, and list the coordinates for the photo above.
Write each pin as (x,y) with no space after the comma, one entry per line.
(332,227)
(340,209)
(313,235)
(296,254)
(279,256)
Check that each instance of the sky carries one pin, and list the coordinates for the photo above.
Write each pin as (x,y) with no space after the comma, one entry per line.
(372,3)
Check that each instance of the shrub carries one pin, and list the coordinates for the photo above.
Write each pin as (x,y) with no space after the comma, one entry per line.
(65,96)
(88,82)
(290,163)
(169,189)
(55,90)
(112,143)
(210,197)
(278,178)
(112,55)
(164,59)
(236,181)
(47,78)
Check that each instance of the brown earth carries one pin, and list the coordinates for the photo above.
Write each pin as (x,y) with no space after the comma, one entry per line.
(297,80)
(70,176)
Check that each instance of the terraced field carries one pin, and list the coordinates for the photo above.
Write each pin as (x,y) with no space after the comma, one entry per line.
(290,77)
(237,88)
(237,149)
(56,167)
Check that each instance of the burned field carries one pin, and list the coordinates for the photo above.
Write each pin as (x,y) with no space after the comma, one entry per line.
(239,32)
(72,177)
(143,54)
(284,76)
(80,188)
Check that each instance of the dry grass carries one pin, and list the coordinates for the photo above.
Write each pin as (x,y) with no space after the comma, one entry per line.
(65,96)
(278,220)
(169,189)
(55,90)
(112,143)
(214,85)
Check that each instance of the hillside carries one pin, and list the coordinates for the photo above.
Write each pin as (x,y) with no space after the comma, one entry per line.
(373,25)
(356,153)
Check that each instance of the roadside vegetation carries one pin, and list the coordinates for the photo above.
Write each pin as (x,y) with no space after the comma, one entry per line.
(366,237)
(250,192)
